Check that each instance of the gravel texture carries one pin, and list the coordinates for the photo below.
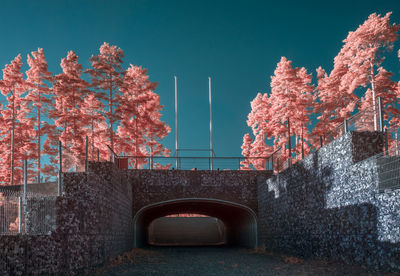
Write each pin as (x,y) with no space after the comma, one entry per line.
(219,261)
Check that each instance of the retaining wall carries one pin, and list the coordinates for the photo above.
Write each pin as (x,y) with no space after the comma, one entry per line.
(328,206)
(93,221)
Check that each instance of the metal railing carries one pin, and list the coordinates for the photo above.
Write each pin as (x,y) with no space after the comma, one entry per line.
(190,163)
(26,213)
(388,163)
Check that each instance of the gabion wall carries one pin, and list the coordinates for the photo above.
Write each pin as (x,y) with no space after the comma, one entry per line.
(328,206)
(92,222)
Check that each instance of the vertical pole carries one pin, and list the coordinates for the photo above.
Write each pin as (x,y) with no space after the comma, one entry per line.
(272,163)
(59,167)
(12,155)
(302,143)
(25,183)
(98,155)
(277,165)
(86,153)
(20,214)
(320,141)
(176,123)
(289,144)
(211,134)
(386,142)
(345,126)
(380,114)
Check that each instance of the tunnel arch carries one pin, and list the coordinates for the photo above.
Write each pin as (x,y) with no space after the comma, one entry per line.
(240,220)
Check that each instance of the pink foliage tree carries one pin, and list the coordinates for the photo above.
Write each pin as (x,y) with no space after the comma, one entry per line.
(107,75)
(39,99)
(141,128)
(246,148)
(13,133)
(291,102)
(69,90)
(362,55)
(259,120)
(95,126)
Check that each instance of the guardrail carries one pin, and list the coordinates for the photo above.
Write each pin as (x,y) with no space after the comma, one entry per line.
(190,163)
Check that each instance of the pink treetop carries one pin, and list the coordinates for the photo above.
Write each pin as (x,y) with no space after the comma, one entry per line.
(291,100)
(95,126)
(14,136)
(38,97)
(141,127)
(246,147)
(259,116)
(69,91)
(362,53)
(336,100)
(107,75)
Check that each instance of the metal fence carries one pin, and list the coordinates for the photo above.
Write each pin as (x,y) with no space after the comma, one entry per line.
(26,213)
(191,163)
(388,163)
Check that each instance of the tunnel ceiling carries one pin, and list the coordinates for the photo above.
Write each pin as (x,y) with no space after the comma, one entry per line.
(228,212)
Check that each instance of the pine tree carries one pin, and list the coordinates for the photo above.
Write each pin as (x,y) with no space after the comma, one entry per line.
(246,148)
(291,101)
(13,133)
(362,54)
(39,99)
(69,90)
(106,75)
(95,126)
(141,127)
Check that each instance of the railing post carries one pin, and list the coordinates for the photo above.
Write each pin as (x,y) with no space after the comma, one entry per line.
(289,144)
(239,164)
(19,214)
(380,110)
(59,168)
(345,126)
(386,142)
(98,155)
(277,165)
(320,141)
(86,153)
(25,183)
(272,163)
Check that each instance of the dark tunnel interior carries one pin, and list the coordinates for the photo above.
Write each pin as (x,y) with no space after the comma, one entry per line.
(240,222)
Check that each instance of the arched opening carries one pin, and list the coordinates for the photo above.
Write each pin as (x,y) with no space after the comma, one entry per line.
(240,222)
(186,230)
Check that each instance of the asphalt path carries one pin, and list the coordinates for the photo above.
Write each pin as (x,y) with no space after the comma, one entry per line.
(220,261)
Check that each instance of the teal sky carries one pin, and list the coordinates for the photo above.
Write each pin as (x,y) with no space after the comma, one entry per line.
(237,43)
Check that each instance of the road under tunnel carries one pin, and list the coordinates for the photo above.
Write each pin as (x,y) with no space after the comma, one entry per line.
(236,223)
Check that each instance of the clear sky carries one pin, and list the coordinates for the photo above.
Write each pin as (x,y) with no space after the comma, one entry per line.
(237,43)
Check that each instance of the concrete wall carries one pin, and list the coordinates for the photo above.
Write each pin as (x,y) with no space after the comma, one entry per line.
(328,205)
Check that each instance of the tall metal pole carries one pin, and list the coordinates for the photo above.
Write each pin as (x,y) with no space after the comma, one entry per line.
(176,123)
(211,133)
(20,214)
(59,167)
(25,183)
(380,110)
(86,153)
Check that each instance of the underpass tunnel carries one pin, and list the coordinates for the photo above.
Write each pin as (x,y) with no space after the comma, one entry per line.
(239,221)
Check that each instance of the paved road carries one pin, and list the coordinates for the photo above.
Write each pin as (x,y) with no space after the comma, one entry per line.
(219,261)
